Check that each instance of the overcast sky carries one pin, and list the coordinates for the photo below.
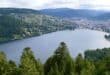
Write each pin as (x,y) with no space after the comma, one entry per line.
(43,4)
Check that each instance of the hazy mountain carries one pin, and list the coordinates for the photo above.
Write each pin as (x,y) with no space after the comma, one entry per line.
(77,13)
(17,11)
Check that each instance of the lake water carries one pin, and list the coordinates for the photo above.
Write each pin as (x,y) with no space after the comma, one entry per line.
(43,46)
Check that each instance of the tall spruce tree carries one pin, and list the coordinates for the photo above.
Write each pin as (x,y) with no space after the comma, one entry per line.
(103,66)
(4,68)
(13,70)
(60,63)
(79,64)
(88,68)
(29,65)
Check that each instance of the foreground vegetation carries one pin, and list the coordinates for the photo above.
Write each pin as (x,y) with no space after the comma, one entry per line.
(96,62)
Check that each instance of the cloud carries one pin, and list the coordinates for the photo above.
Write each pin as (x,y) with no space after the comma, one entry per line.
(38,4)
(62,3)
(42,4)
(34,4)
(97,4)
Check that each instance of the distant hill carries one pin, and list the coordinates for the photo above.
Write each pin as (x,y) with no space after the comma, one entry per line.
(77,13)
(17,11)
(18,23)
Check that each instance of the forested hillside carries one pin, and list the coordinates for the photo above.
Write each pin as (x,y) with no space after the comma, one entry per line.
(98,54)
(60,63)
(22,23)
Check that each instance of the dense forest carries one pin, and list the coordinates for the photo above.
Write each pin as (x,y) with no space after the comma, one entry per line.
(94,62)
(23,23)
(19,26)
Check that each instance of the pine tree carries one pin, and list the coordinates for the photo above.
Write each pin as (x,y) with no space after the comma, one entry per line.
(4,69)
(60,63)
(29,65)
(103,66)
(88,68)
(79,64)
(13,70)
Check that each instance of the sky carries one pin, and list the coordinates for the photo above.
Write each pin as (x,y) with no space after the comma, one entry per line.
(45,4)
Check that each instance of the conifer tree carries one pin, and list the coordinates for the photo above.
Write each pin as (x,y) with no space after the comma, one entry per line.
(13,70)
(88,68)
(29,65)
(4,69)
(79,64)
(60,63)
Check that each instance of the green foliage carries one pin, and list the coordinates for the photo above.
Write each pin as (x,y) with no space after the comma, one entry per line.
(17,24)
(6,68)
(9,27)
(29,65)
(98,54)
(88,68)
(101,59)
(79,64)
(3,64)
(13,70)
(103,67)
(60,63)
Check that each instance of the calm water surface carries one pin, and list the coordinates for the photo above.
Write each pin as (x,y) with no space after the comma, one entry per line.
(77,41)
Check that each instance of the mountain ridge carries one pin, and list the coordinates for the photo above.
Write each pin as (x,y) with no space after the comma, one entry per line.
(17,24)
(79,13)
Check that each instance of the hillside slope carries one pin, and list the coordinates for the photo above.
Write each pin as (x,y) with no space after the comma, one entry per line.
(22,23)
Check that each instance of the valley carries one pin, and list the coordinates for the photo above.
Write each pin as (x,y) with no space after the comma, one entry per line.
(83,36)
(54,37)
(16,24)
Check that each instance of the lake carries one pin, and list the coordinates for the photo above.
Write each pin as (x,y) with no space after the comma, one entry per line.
(43,46)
